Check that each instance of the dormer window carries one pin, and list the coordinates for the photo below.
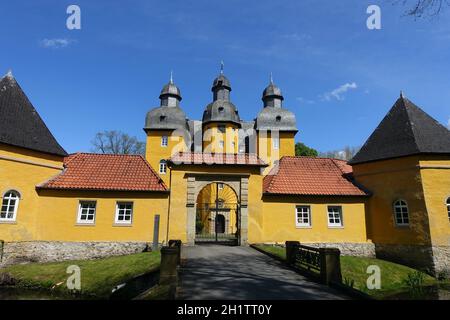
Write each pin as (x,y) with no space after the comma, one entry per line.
(221,109)
(278,118)
(162,118)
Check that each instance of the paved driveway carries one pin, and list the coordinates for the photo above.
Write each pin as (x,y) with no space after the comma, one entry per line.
(222,272)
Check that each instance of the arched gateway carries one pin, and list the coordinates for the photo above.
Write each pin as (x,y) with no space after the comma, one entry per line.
(217,214)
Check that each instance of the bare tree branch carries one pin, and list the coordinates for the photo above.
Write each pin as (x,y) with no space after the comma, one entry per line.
(116,142)
(421,8)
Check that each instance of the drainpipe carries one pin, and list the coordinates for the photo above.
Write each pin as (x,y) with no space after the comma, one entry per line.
(168,206)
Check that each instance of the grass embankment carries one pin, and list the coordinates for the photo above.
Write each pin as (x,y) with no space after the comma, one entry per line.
(393,276)
(98,277)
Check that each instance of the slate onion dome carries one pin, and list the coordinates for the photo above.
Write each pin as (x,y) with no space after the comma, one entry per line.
(273,116)
(169,116)
(221,109)
(272,96)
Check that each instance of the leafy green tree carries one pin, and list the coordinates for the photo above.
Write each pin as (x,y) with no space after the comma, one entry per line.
(302,150)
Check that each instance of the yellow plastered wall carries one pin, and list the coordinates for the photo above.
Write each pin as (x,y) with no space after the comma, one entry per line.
(212,138)
(21,170)
(58,212)
(280,220)
(435,175)
(155,152)
(390,180)
(267,152)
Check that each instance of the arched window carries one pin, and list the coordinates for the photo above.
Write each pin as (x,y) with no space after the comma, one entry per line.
(401,213)
(10,204)
(162,167)
(448,207)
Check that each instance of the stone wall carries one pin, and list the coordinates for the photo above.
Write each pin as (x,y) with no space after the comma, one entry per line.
(51,251)
(346,248)
(415,256)
(441,259)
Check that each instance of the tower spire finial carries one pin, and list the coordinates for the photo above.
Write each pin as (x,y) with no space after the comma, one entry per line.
(271,77)
(9,74)
(402,95)
(221,66)
(171,76)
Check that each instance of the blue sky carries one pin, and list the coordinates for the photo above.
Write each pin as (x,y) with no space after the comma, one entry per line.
(338,77)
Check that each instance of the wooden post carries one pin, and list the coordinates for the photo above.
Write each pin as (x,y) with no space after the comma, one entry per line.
(330,269)
(169,262)
(156,233)
(291,250)
(2,246)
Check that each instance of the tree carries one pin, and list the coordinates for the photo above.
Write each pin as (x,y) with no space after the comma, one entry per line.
(345,154)
(302,150)
(419,8)
(116,142)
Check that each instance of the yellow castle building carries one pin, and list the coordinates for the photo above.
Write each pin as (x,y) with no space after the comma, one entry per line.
(223,180)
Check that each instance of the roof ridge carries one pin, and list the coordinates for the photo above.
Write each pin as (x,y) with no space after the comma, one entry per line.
(407,106)
(312,157)
(70,157)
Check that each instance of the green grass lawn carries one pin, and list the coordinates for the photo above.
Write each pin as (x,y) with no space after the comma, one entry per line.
(98,277)
(354,269)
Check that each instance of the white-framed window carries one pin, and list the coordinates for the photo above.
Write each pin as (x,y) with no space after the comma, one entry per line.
(335,216)
(86,212)
(303,216)
(164,141)
(220,186)
(124,212)
(448,207)
(401,212)
(163,167)
(233,146)
(221,144)
(10,203)
(275,143)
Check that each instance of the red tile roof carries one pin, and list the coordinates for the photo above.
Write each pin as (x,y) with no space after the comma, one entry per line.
(87,171)
(246,159)
(311,176)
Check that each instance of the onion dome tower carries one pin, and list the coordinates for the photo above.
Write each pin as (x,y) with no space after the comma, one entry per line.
(169,116)
(273,116)
(221,109)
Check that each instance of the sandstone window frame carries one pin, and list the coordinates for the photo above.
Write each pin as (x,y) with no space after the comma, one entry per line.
(401,213)
(302,223)
(448,208)
(89,211)
(162,167)
(164,141)
(10,206)
(126,211)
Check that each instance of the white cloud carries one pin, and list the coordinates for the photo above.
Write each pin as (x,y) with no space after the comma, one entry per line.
(338,93)
(56,43)
(304,101)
